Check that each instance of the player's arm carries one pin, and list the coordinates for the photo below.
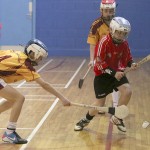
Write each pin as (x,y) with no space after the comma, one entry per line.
(127,58)
(92,39)
(92,48)
(50,89)
(100,57)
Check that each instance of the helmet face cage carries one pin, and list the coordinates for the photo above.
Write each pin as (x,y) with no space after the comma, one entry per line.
(108,6)
(120,24)
(37,47)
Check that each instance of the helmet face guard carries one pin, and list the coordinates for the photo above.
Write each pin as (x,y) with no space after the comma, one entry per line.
(37,48)
(119,29)
(108,14)
(108,8)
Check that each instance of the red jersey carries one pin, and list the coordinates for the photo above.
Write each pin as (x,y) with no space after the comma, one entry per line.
(108,54)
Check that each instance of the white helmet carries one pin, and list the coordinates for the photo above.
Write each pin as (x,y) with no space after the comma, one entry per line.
(108,4)
(37,47)
(120,24)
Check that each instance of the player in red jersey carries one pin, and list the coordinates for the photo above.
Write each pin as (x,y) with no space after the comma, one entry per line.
(100,28)
(112,54)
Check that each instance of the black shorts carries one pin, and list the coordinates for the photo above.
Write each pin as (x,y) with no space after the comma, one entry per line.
(105,84)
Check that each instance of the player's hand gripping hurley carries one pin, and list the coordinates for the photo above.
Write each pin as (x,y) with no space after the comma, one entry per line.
(144,60)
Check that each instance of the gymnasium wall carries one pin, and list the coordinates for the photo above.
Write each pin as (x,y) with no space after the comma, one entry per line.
(16,25)
(64,24)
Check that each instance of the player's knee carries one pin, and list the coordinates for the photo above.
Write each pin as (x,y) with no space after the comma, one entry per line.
(22,98)
(128,91)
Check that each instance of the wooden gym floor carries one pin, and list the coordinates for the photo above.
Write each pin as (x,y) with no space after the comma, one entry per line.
(49,126)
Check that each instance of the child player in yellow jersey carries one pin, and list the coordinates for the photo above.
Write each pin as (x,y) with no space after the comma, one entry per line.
(15,66)
(100,28)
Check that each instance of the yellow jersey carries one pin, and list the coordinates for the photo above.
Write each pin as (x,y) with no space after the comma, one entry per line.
(16,66)
(98,29)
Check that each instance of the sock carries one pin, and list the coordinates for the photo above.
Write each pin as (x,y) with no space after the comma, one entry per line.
(111,110)
(115,96)
(11,127)
(89,117)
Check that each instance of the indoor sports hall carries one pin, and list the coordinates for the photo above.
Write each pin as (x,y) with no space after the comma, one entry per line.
(63,26)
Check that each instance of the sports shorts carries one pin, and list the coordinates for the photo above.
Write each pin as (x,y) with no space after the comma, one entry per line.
(105,84)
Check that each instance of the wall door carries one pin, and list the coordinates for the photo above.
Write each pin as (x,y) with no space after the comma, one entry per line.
(16,21)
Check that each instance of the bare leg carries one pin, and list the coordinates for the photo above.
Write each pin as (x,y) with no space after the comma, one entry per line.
(14,99)
(89,116)
(5,105)
(98,102)
(126,93)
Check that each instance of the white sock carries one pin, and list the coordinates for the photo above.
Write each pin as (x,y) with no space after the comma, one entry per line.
(115,96)
(11,127)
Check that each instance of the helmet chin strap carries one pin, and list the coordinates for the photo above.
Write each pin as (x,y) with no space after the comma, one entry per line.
(34,63)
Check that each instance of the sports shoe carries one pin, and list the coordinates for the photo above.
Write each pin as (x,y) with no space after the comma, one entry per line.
(81,124)
(119,123)
(13,138)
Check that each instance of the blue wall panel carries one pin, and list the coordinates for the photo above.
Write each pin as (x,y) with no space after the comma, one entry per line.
(64,25)
(17,26)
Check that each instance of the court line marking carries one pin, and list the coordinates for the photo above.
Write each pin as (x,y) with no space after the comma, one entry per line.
(37,87)
(34,98)
(71,79)
(32,84)
(41,100)
(19,128)
(50,109)
(61,71)
(49,96)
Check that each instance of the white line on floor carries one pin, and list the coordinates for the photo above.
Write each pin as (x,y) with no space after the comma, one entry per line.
(42,100)
(67,85)
(49,111)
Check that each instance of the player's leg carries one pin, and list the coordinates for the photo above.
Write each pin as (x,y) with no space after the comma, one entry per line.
(115,97)
(5,105)
(101,91)
(125,92)
(14,100)
(90,115)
